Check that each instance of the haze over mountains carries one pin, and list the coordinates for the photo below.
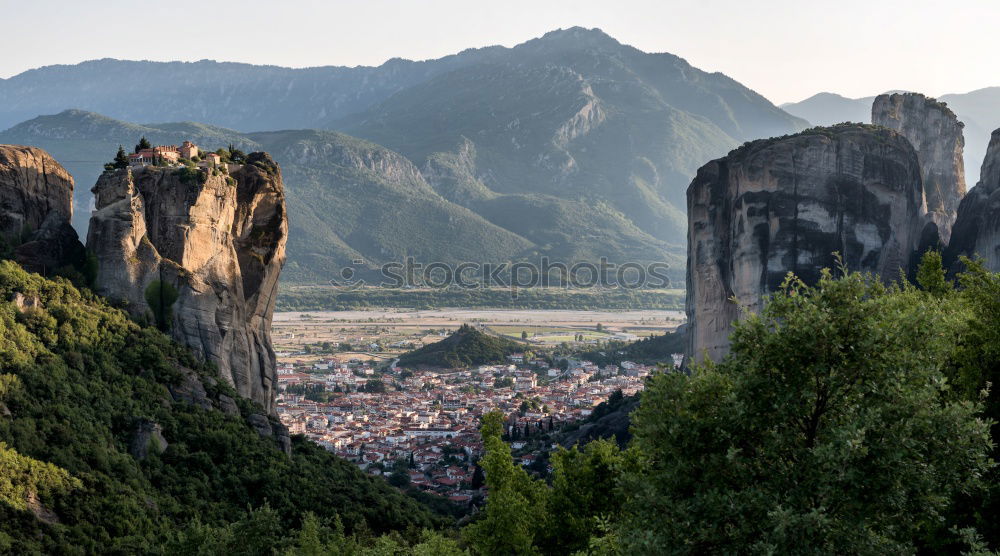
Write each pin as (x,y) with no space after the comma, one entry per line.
(979,110)
(571,145)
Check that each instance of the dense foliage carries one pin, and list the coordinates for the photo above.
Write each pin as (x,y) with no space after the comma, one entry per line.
(465,347)
(832,426)
(77,378)
(651,350)
(850,417)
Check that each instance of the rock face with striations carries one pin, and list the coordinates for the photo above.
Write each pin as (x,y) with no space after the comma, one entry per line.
(936,134)
(199,253)
(786,204)
(36,206)
(977,228)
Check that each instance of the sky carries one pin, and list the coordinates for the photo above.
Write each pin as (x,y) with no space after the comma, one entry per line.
(786,50)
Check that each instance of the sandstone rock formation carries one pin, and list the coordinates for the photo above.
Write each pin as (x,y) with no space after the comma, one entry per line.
(936,134)
(977,228)
(786,205)
(36,206)
(199,253)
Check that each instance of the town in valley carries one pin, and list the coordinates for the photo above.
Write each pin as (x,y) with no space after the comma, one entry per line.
(339,385)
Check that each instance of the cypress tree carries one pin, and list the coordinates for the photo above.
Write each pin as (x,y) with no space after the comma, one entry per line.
(121,159)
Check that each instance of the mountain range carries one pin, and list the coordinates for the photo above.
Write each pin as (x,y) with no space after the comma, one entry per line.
(979,110)
(572,146)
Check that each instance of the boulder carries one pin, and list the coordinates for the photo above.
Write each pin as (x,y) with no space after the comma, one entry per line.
(261,424)
(147,436)
(228,405)
(190,390)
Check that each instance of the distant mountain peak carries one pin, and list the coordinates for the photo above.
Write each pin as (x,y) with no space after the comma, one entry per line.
(576,37)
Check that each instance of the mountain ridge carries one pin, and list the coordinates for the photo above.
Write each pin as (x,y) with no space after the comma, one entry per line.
(570,146)
(979,110)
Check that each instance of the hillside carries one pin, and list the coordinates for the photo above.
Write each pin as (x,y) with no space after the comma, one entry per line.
(576,125)
(466,347)
(351,199)
(979,110)
(571,146)
(344,196)
(121,438)
(651,350)
(235,95)
(83,141)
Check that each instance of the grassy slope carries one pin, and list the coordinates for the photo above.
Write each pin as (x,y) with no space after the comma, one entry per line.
(85,376)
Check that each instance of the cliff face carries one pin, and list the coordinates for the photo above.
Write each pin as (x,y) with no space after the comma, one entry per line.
(785,205)
(977,228)
(200,255)
(936,134)
(36,206)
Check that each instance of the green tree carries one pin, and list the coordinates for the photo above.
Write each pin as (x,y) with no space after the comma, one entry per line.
(143,144)
(830,426)
(161,296)
(584,494)
(478,478)
(399,478)
(931,275)
(515,509)
(121,159)
(236,156)
(976,376)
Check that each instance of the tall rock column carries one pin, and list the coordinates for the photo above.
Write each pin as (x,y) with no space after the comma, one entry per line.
(977,228)
(936,134)
(36,207)
(199,253)
(786,204)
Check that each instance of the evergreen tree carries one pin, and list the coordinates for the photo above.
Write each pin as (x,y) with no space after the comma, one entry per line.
(121,159)
(143,144)
(931,275)
(478,479)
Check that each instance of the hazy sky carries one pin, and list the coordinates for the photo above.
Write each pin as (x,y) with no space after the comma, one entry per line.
(784,49)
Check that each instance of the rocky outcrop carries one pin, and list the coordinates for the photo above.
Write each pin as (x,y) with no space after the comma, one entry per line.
(977,228)
(24,303)
(147,436)
(198,252)
(936,134)
(786,205)
(36,207)
(267,428)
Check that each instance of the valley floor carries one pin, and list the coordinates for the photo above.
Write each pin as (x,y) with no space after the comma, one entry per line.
(339,385)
